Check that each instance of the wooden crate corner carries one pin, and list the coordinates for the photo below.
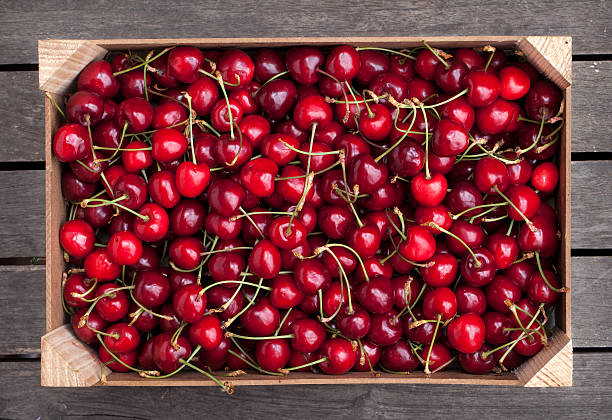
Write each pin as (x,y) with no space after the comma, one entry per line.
(550,367)
(68,362)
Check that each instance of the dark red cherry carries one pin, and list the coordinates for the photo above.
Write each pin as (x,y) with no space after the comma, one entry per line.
(268,62)
(189,303)
(543,238)
(226,266)
(204,95)
(277,98)
(500,290)
(77,288)
(528,135)
(469,57)
(449,138)
(128,359)
(490,173)
(364,240)
(204,145)
(206,332)
(187,218)
(308,335)
(236,68)
(261,319)
(272,354)
(85,108)
(167,354)
(376,296)
(310,111)
(470,299)
(407,159)
(426,64)
(372,63)
(520,273)
(133,188)
(493,118)
(219,297)
(385,329)
(529,345)
(77,238)
(482,88)
(543,100)
(440,270)
(98,77)
(399,357)
(85,333)
(343,62)
(225,196)
(163,75)
(420,89)
(367,173)
(436,214)
(463,196)
(495,328)
(303,62)
(152,288)
(185,62)
(368,357)
(71,143)
(480,271)
(538,289)
(265,260)
(224,227)
(450,77)
(439,356)
(402,66)
(185,252)
(340,356)
(390,84)
(477,362)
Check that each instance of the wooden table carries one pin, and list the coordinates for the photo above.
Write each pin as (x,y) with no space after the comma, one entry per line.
(22,212)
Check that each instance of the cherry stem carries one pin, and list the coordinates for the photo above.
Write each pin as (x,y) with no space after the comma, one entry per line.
(228,387)
(248,283)
(327,246)
(510,227)
(209,127)
(308,182)
(436,226)
(280,325)
(427,371)
(523,151)
(400,140)
(364,357)
(479,215)
(463,92)
(512,343)
(322,171)
(438,54)
(551,287)
(193,158)
(316,362)
(229,109)
(176,335)
(333,152)
(254,213)
(111,157)
(109,293)
(48,95)
(145,62)
(427,174)
(85,203)
(250,219)
(386,50)
(226,250)
(88,291)
(490,49)
(251,302)
(502,195)
(276,76)
(482,206)
(342,277)
(166,317)
(217,77)
(119,150)
(246,337)
(398,230)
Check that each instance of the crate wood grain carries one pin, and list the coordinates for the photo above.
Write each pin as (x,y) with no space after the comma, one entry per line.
(61,61)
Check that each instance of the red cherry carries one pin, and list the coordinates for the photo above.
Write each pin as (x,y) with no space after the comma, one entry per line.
(80,285)
(261,319)
(439,357)
(343,62)
(364,240)
(490,173)
(469,57)
(450,76)
(137,113)
(167,354)
(85,108)
(236,67)
(122,338)
(440,270)
(265,260)
(372,63)
(529,345)
(71,143)
(419,245)
(368,357)
(466,333)
(525,199)
(189,303)
(156,227)
(375,123)
(185,252)
(124,248)
(539,291)
(255,128)
(128,359)
(277,98)
(340,356)
(152,288)
(483,88)
(385,329)
(470,299)
(504,248)
(98,77)
(426,64)
(185,62)
(480,271)
(399,358)
(542,100)
(163,190)
(85,333)
(545,177)
(376,296)
(192,179)
(500,290)
(367,173)
(77,237)
(515,83)
(312,110)
(303,62)
(100,266)
(311,276)
(272,354)
(308,335)
(493,118)
(428,191)
(113,307)
(449,138)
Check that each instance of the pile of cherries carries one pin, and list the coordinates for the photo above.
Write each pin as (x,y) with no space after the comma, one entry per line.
(302,210)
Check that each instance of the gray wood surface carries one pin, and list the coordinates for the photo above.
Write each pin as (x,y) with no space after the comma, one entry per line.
(22,23)
(22,397)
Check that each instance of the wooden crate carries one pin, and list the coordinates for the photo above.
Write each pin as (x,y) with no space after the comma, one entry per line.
(67,362)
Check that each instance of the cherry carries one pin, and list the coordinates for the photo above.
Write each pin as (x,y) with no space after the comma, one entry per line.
(79,285)
(236,68)
(163,75)
(85,333)
(373,267)
(490,174)
(450,138)
(499,291)
(407,159)
(220,116)
(405,290)
(477,362)
(543,100)
(121,222)
(285,294)
(470,299)
(167,354)
(124,248)
(527,137)
(426,64)
(155,227)
(135,159)
(539,290)
(185,62)
(543,237)
(77,237)
(440,270)
(399,357)
(85,108)
(525,200)
(203,146)
(376,296)
(420,89)
(287,234)
(330,134)
(339,354)
(504,248)
(419,245)
(469,57)
(428,191)
(224,227)
(132,84)
(479,271)
(343,62)
(225,196)
(389,84)
(436,214)
(519,173)
(185,252)
(520,273)
(466,333)
(261,319)
(265,260)
(152,289)
(273,148)
(226,266)
(128,358)
(368,357)
(133,188)
(137,113)
(272,354)
(371,64)
(459,111)
(115,305)
(311,276)
(255,128)
(121,338)
(277,97)
(268,62)
(189,303)
(482,88)
(98,77)
(463,196)
(493,118)
(219,296)
(385,329)
(367,173)
(364,240)
(439,356)
(545,177)
(347,115)
(303,63)
(187,217)
(450,76)
(99,265)
(529,345)
(496,325)
(402,66)
(515,83)
(192,179)
(71,143)
(142,320)
(471,234)
(312,110)
(308,335)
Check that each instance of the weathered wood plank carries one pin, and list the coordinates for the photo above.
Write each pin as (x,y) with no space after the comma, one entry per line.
(590,94)
(22,111)
(585,21)
(22,397)
(22,300)
(22,296)
(21,107)
(22,219)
